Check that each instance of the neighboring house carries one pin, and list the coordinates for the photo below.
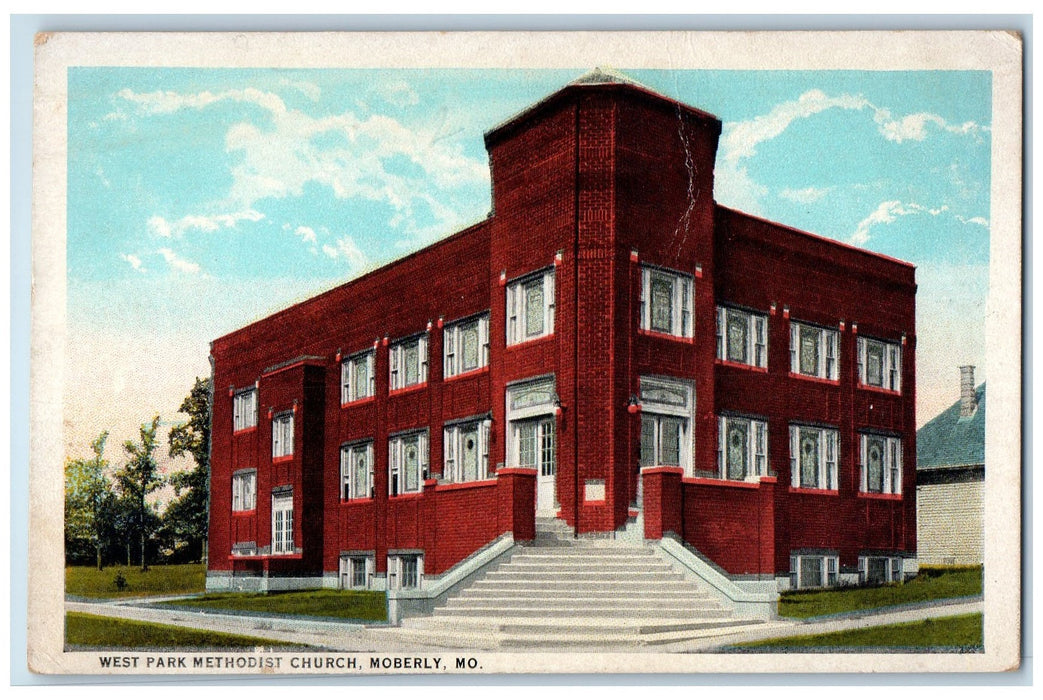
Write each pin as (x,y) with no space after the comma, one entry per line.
(609,347)
(950,478)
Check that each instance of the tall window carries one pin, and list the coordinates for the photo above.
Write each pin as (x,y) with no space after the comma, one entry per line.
(244,410)
(466,345)
(814,351)
(742,336)
(466,449)
(408,362)
(880,364)
(813,570)
(666,418)
(407,463)
(530,307)
(357,379)
(244,490)
(666,302)
(282,435)
(356,471)
(881,463)
(282,523)
(813,457)
(742,448)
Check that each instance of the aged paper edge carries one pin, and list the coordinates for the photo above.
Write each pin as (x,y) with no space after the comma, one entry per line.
(994,51)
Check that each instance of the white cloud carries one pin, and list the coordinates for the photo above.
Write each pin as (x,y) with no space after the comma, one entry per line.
(354,156)
(804,196)
(913,127)
(980,221)
(888,212)
(133,260)
(178,263)
(346,249)
(306,234)
(733,187)
(166,229)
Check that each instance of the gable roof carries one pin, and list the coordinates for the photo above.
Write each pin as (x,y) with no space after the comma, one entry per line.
(950,441)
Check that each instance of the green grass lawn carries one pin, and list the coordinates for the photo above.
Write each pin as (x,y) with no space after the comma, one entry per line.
(963,632)
(173,579)
(931,584)
(83,630)
(350,605)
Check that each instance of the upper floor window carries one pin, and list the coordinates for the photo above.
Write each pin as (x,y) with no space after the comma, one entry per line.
(244,490)
(814,351)
(466,449)
(530,307)
(407,463)
(356,471)
(466,345)
(742,336)
(813,457)
(880,461)
(666,302)
(244,410)
(880,364)
(357,378)
(282,435)
(408,361)
(742,448)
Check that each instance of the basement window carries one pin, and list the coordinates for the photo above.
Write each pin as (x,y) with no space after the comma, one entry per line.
(405,571)
(879,569)
(742,337)
(666,302)
(356,571)
(813,570)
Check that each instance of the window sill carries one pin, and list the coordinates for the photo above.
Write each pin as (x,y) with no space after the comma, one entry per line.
(806,490)
(244,513)
(407,389)
(880,496)
(468,373)
(244,431)
(665,336)
(741,365)
(529,341)
(358,402)
(879,389)
(280,460)
(818,380)
(727,483)
(456,485)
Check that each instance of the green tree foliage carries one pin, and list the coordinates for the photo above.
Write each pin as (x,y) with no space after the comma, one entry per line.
(138,478)
(88,497)
(185,520)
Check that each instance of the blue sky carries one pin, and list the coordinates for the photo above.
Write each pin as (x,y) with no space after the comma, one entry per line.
(199,200)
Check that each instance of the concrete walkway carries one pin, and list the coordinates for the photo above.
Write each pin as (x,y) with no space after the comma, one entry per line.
(348,636)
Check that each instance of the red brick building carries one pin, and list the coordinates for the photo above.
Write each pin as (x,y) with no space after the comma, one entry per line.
(610,347)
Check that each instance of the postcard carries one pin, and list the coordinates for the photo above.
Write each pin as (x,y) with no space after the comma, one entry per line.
(484,353)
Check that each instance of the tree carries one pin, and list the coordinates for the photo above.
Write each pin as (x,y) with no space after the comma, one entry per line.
(87,490)
(138,478)
(186,516)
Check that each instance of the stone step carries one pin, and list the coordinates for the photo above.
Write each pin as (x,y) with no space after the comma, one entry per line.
(554,586)
(579,613)
(581,578)
(577,554)
(513,599)
(578,625)
(578,568)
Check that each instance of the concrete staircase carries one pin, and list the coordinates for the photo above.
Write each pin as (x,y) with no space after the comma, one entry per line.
(561,592)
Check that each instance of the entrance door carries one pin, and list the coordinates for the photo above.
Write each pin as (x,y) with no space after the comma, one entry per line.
(537,450)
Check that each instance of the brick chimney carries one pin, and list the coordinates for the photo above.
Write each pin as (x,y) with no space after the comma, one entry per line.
(967,399)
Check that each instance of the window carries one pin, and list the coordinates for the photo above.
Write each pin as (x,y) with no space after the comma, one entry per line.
(407,463)
(282,435)
(466,345)
(282,523)
(813,351)
(244,410)
(244,490)
(409,362)
(880,569)
(405,571)
(880,458)
(880,364)
(356,471)
(535,444)
(666,302)
(742,337)
(666,412)
(466,451)
(742,448)
(357,378)
(813,457)
(530,307)
(356,571)
(813,571)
